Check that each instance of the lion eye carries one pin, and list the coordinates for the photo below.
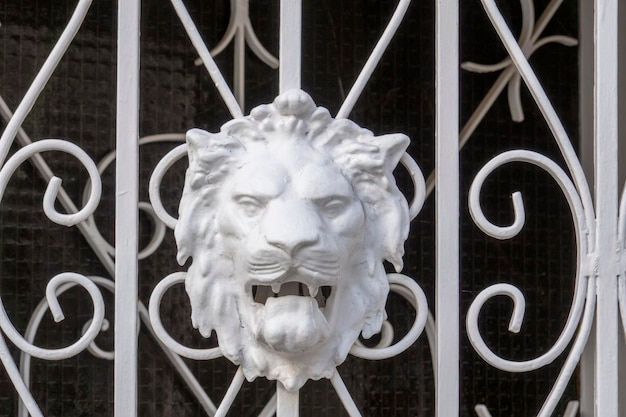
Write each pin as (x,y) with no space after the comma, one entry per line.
(249,205)
(333,207)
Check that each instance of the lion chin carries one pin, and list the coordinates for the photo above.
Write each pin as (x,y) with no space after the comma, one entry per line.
(293,340)
(292,374)
(292,324)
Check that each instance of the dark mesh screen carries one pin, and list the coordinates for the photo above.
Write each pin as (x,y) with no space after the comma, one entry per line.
(78,104)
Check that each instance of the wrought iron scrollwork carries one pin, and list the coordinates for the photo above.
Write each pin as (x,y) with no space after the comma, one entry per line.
(74,216)
(575,190)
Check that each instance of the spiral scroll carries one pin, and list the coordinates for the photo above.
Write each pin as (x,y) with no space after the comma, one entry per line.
(58,282)
(580,292)
(159,226)
(412,292)
(155,318)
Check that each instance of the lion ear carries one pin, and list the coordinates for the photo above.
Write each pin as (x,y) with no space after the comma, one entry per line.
(394,216)
(392,147)
(209,154)
(196,140)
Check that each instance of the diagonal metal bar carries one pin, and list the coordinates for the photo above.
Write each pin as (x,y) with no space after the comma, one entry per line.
(504,78)
(270,408)
(231,394)
(207,59)
(373,60)
(344,395)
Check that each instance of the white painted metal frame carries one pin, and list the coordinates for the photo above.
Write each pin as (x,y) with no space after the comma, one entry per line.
(600,283)
(608,246)
(126,208)
(447,207)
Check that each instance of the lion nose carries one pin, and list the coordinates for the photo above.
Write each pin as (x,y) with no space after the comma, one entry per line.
(291,227)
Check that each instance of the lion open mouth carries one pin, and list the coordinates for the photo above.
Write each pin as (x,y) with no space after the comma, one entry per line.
(260,293)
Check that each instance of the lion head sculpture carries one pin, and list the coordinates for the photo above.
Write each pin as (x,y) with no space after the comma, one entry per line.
(288,215)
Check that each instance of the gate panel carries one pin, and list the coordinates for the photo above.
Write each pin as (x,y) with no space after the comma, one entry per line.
(401,386)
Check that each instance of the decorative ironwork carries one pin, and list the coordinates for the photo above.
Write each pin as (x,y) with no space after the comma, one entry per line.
(581,316)
(61,282)
(240,31)
(288,181)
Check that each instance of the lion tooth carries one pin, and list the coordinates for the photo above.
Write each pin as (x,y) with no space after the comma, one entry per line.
(275,288)
(313,289)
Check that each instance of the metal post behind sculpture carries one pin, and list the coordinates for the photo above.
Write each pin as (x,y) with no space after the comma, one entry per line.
(290,55)
(288,402)
(289,77)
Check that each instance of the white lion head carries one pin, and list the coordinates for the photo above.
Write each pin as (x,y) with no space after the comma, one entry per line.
(288,215)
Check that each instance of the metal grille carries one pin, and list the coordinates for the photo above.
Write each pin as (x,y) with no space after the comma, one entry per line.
(78,104)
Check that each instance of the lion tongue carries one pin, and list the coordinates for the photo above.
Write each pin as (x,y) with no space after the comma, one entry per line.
(292,324)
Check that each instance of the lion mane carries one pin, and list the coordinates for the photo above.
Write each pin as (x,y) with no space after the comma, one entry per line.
(365,160)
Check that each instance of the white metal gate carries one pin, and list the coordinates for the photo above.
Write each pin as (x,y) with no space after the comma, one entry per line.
(590,338)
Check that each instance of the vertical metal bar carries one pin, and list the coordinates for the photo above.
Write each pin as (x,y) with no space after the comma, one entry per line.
(289,74)
(621,175)
(621,93)
(447,207)
(126,208)
(622,374)
(240,68)
(288,402)
(606,196)
(290,44)
(585,64)
(585,150)
(587,376)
